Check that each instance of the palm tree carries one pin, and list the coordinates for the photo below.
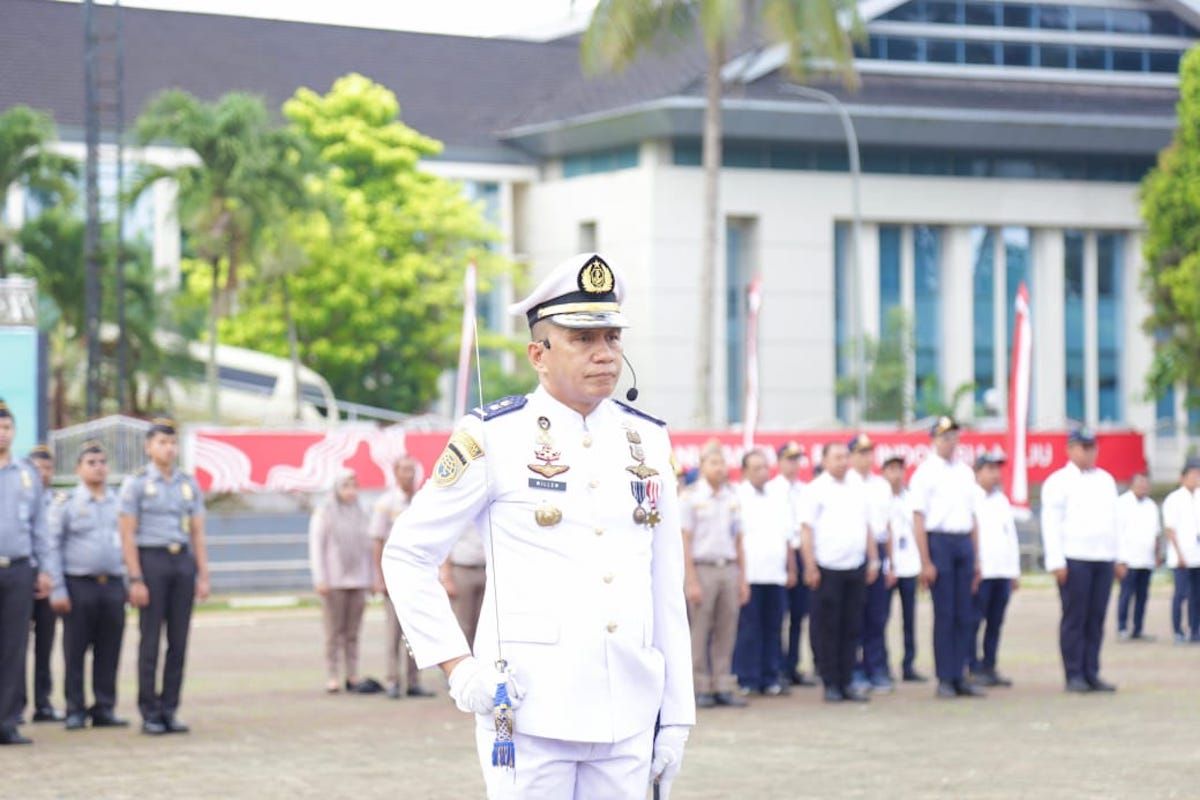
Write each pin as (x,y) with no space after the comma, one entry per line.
(26,158)
(247,174)
(622,30)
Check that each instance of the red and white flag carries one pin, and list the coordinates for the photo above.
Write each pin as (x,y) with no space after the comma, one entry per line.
(466,343)
(1017,466)
(754,303)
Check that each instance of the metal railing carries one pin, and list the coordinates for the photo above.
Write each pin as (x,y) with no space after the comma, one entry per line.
(124,439)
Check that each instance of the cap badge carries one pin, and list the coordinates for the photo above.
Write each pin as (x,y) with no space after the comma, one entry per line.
(596,277)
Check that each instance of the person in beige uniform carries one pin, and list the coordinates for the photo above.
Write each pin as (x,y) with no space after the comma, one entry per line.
(714,579)
(390,505)
(464,577)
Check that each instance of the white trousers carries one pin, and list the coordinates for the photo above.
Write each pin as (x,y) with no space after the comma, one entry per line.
(551,769)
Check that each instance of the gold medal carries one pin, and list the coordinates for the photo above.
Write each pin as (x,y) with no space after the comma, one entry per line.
(547,515)
(186,491)
(639,515)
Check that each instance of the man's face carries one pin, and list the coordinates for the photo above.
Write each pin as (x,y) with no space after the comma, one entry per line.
(45,468)
(7,431)
(757,471)
(712,467)
(581,366)
(1191,480)
(1140,486)
(894,474)
(836,459)
(163,448)
(93,469)
(347,491)
(789,467)
(406,475)
(945,443)
(1082,455)
(988,476)
(861,460)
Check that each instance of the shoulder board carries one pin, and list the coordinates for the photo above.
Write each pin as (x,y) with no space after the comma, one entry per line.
(505,405)
(60,497)
(637,412)
(140,472)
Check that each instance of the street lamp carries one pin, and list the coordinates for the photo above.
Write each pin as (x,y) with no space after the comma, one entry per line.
(857,306)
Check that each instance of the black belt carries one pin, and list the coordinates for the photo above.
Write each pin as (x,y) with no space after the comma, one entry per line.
(717,562)
(100,579)
(6,562)
(951,533)
(174,548)
(468,566)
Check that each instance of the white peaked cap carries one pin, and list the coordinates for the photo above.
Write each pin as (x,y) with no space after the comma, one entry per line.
(583,291)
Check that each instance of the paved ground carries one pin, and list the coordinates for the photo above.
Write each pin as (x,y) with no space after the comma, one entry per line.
(263,729)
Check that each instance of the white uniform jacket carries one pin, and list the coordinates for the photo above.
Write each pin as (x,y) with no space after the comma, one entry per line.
(592,617)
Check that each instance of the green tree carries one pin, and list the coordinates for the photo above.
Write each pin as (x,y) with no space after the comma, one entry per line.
(622,30)
(26,158)
(376,285)
(1171,248)
(887,359)
(247,173)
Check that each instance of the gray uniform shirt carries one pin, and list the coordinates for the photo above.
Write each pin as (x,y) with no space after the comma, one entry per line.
(84,539)
(22,514)
(163,505)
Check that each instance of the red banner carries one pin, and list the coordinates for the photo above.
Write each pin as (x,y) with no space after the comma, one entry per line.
(243,460)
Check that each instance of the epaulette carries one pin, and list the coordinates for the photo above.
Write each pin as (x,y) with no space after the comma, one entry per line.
(60,498)
(140,471)
(637,412)
(505,405)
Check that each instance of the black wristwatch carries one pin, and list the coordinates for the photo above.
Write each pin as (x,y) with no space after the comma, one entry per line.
(136,579)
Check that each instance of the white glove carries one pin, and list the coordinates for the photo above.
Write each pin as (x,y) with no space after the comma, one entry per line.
(473,686)
(668,757)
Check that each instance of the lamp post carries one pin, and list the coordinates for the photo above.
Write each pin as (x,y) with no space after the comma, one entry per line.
(857,288)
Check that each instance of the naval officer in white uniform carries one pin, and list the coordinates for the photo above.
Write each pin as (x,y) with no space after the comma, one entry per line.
(574,495)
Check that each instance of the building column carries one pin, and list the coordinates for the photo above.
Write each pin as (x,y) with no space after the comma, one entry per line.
(1138,351)
(1091,337)
(1049,341)
(958,313)
(908,299)
(868,253)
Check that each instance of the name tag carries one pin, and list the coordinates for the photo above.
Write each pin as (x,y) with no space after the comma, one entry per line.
(555,486)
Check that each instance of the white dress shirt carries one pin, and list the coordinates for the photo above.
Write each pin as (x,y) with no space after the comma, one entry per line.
(906,561)
(793,491)
(837,513)
(1138,527)
(999,551)
(766,534)
(1079,513)
(1181,513)
(879,499)
(944,491)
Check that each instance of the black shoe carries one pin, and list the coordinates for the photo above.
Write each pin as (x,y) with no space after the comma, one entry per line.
(1003,681)
(705,700)
(800,679)
(10,735)
(965,688)
(76,721)
(173,725)
(1142,637)
(420,691)
(984,678)
(1078,686)
(912,676)
(833,694)
(107,719)
(48,714)
(153,727)
(854,694)
(1101,686)
(731,699)
(775,690)
(946,689)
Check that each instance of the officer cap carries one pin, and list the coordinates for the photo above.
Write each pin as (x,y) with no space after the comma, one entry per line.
(789,450)
(896,459)
(1193,462)
(1083,436)
(4,412)
(861,443)
(581,292)
(942,425)
(990,458)
(161,425)
(41,452)
(91,447)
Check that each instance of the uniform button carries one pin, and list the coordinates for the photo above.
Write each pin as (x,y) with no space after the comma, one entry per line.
(587,440)
(593,483)
(612,627)
(608,578)
(599,531)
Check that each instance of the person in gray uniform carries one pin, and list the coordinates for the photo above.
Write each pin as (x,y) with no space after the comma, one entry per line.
(45,621)
(22,538)
(162,535)
(89,587)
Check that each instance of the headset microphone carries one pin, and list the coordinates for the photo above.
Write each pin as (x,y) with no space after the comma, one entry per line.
(632,394)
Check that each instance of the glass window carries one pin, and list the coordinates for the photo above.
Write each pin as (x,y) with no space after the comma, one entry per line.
(739,240)
(879,47)
(841,312)
(1129,60)
(983,284)
(1090,58)
(981,52)
(1126,20)
(946,12)
(1164,411)
(1090,18)
(943,51)
(1164,23)
(1018,55)
(1164,61)
(612,160)
(927,314)
(1057,56)
(889,273)
(1073,323)
(909,12)
(982,13)
(1017,16)
(1109,320)
(1057,18)
(902,49)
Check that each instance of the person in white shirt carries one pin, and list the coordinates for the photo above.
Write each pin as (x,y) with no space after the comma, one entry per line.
(768,541)
(840,561)
(943,504)
(905,563)
(871,668)
(999,567)
(788,483)
(1138,528)
(1079,543)
(1181,521)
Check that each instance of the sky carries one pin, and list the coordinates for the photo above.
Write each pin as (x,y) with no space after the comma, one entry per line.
(464,17)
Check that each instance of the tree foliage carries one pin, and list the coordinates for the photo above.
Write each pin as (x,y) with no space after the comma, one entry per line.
(26,158)
(1171,248)
(375,283)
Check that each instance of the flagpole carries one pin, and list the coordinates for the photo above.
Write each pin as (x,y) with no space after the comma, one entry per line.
(466,342)
(1017,471)
(754,304)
